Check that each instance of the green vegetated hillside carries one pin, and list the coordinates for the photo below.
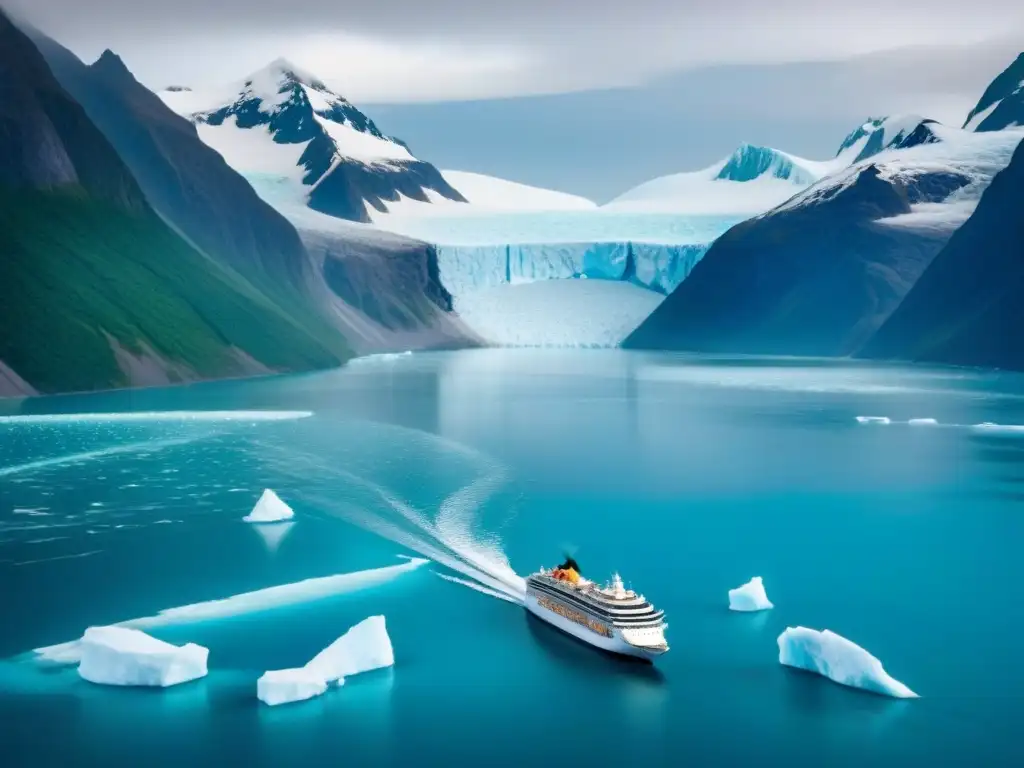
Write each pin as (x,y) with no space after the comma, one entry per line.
(74,269)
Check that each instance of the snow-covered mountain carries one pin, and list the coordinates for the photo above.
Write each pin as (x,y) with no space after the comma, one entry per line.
(881,133)
(1002,104)
(291,136)
(755,179)
(818,274)
(967,307)
(751,180)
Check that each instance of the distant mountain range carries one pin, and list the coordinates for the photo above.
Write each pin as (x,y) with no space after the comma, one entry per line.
(755,179)
(822,272)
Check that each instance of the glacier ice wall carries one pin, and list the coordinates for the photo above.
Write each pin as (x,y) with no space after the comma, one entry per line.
(660,268)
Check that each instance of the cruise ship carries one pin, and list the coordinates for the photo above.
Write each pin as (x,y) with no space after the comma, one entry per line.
(611,617)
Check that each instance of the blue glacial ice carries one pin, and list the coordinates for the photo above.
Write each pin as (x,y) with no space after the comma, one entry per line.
(750,597)
(660,268)
(838,659)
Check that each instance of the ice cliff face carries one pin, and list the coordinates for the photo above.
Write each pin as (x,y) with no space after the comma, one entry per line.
(659,268)
(1002,104)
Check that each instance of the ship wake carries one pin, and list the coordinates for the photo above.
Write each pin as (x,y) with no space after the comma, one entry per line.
(448,533)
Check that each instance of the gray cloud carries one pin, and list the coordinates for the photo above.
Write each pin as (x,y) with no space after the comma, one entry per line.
(455,48)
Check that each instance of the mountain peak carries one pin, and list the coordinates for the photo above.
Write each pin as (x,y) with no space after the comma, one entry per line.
(109,62)
(282,72)
(1002,104)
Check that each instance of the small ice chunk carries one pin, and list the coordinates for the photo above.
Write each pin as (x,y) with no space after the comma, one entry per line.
(838,659)
(269,509)
(122,656)
(750,597)
(922,422)
(873,419)
(365,647)
(282,686)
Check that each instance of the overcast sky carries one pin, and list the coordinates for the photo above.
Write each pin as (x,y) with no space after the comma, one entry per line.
(417,50)
(692,77)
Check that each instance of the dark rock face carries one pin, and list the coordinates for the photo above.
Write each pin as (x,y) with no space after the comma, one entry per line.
(350,184)
(968,306)
(816,276)
(1003,99)
(879,137)
(96,289)
(187,182)
(48,140)
(922,134)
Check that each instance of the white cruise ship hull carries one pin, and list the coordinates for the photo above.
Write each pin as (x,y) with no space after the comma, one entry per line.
(615,643)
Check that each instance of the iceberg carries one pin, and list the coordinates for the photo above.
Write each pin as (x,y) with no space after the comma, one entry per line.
(922,422)
(283,686)
(873,419)
(122,656)
(838,659)
(365,647)
(750,597)
(269,509)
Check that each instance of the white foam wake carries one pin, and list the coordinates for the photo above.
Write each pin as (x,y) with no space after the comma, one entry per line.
(247,602)
(148,446)
(65,418)
(448,537)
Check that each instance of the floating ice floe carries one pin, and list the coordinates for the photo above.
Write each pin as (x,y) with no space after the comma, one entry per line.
(282,686)
(365,647)
(122,656)
(750,597)
(269,509)
(246,603)
(922,422)
(873,419)
(838,659)
(60,418)
(988,426)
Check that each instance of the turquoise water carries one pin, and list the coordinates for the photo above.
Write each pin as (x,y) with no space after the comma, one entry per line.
(688,475)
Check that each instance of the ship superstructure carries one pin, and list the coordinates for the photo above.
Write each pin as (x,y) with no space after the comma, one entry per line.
(610,617)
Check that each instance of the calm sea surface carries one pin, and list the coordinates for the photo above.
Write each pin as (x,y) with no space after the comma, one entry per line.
(688,475)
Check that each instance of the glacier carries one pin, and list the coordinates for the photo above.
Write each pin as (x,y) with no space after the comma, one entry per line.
(750,597)
(123,656)
(659,268)
(838,659)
